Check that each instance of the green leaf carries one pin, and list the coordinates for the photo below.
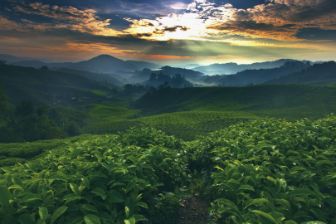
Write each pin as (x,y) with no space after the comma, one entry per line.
(74,188)
(265,215)
(258,202)
(58,213)
(130,221)
(314,222)
(99,192)
(43,213)
(91,219)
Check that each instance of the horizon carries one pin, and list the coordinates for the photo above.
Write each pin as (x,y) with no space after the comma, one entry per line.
(170,32)
(180,65)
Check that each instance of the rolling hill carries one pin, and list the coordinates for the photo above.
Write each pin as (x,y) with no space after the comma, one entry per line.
(233,68)
(319,74)
(271,101)
(101,64)
(50,87)
(258,76)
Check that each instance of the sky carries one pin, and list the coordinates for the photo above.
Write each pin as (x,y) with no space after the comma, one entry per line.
(169,31)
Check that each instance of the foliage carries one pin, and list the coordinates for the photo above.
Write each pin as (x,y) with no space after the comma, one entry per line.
(271,171)
(263,171)
(28,121)
(95,180)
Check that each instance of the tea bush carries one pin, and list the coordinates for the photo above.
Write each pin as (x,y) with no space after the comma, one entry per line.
(99,180)
(272,172)
(264,171)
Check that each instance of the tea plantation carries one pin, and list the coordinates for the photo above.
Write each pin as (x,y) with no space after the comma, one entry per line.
(262,171)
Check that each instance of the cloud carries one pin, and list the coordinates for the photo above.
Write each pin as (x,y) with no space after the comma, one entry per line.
(316,34)
(68,17)
(275,19)
(200,29)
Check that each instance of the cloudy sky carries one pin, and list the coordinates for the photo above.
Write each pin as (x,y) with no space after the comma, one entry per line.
(169,31)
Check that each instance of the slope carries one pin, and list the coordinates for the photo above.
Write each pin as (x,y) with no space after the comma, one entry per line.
(274,101)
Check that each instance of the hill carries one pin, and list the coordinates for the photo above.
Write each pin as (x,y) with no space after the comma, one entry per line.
(99,64)
(318,74)
(188,74)
(259,76)
(233,68)
(173,81)
(49,87)
(273,101)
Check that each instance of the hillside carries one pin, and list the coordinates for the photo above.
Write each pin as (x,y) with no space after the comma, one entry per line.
(318,74)
(274,101)
(99,64)
(50,87)
(188,74)
(233,68)
(174,81)
(259,76)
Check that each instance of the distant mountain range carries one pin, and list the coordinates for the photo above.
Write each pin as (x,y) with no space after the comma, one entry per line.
(117,72)
(233,68)
(254,77)
(173,81)
(187,74)
(324,73)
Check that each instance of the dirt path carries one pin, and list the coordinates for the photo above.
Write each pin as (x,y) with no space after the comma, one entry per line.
(193,211)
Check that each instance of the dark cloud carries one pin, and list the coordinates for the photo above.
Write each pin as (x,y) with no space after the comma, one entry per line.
(310,12)
(316,34)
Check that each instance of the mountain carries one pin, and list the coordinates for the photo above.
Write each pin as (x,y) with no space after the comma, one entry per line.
(104,79)
(253,77)
(188,74)
(10,58)
(31,63)
(107,64)
(50,87)
(232,68)
(173,81)
(324,73)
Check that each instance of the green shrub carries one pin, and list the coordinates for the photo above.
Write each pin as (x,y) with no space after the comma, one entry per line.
(98,180)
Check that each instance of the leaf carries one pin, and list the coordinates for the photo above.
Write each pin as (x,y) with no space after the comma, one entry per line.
(91,219)
(99,192)
(15,187)
(258,202)
(127,211)
(58,213)
(43,213)
(265,215)
(71,197)
(74,188)
(314,222)
(130,221)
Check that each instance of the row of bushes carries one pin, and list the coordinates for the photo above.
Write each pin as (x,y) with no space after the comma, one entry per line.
(270,171)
